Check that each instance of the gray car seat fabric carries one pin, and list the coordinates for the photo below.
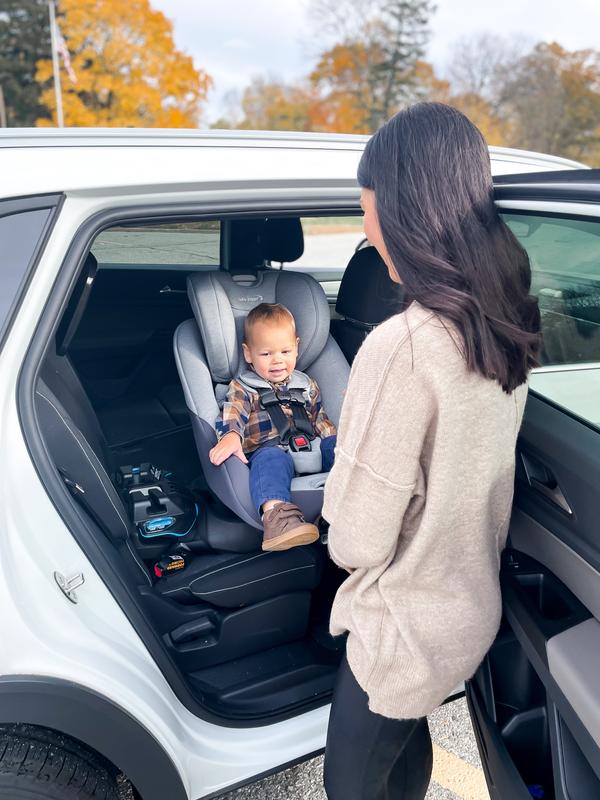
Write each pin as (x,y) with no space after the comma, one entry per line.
(208,353)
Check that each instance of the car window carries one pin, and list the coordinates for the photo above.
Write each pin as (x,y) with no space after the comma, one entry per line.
(20,233)
(329,243)
(565,264)
(184,245)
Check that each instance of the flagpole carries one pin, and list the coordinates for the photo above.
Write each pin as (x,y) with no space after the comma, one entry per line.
(3,122)
(55,66)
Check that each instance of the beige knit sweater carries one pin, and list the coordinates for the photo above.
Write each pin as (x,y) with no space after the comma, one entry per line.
(418,503)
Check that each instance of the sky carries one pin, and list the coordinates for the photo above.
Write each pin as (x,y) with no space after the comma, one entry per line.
(235,40)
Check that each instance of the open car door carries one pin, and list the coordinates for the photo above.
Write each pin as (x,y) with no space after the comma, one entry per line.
(535,700)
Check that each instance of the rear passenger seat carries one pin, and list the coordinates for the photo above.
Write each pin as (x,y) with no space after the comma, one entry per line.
(367,297)
(270,592)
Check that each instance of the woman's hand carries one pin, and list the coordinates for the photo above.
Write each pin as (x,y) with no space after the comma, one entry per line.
(230,445)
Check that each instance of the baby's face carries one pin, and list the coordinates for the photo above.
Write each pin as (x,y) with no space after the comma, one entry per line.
(272,351)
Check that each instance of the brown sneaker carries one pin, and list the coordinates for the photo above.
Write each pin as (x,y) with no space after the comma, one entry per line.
(285,527)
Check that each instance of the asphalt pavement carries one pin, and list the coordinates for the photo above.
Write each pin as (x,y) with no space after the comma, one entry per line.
(457,773)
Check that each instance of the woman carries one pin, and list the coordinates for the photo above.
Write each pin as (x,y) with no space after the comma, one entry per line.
(420,495)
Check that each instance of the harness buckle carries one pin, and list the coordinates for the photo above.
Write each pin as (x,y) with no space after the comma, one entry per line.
(299,443)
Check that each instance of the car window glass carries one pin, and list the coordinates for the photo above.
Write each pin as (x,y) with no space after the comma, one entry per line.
(329,243)
(185,245)
(565,266)
(19,235)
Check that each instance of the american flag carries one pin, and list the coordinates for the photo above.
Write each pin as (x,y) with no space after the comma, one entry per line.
(63,50)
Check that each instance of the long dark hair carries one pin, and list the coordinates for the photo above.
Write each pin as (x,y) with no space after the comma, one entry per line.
(430,170)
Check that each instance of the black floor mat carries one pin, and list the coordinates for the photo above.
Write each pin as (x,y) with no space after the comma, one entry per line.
(272,682)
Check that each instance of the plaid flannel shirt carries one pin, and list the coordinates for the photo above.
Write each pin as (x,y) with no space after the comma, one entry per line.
(243,414)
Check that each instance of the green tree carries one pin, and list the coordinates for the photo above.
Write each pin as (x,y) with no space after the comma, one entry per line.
(24,39)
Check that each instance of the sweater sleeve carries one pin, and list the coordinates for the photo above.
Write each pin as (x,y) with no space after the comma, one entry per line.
(383,428)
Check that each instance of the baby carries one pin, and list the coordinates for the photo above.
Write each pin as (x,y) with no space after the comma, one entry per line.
(245,429)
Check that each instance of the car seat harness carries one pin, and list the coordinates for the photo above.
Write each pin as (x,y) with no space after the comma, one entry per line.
(296,433)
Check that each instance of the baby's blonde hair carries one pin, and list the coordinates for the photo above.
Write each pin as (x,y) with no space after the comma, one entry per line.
(270,313)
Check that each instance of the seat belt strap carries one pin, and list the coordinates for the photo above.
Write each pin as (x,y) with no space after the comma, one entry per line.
(272,401)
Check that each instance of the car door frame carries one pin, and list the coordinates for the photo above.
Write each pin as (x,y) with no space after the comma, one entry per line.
(341,196)
(546,549)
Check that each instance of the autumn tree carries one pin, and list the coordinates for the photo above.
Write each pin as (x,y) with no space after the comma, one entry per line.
(551,99)
(477,71)
(24,39)
(274,106)
(128,70)
(540,97)
(341,79)
(371,70)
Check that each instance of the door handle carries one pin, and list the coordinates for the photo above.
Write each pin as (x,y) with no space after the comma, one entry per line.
(541,480)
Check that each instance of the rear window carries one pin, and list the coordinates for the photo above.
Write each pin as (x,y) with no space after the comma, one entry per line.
(329,244)
(20,233)
(188,245)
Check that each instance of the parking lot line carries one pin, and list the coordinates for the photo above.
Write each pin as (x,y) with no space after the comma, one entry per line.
(451,772)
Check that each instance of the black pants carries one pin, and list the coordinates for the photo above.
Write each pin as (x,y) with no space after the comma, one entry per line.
(370,757)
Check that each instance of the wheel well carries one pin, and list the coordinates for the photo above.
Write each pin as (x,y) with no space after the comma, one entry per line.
(48,736)
(94,727)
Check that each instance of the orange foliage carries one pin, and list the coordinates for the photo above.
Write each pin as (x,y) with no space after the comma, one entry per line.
(494,128)
(351,93)
(344,94)
(128,71)
(274,106)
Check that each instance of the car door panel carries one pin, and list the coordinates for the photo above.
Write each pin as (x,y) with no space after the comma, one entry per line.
(535,700)
(573,658)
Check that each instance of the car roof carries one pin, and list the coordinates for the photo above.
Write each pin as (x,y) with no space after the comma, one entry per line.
(83,160)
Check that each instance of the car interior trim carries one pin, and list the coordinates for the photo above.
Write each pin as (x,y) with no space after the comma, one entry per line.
(533,539)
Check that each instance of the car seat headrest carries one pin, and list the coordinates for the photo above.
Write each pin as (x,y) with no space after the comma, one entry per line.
(252,242)
(220,303)
(367,294)
(284,239)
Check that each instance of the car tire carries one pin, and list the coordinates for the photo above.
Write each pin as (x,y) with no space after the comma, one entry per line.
(38,764)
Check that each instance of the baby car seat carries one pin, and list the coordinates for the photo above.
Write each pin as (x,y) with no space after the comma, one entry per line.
(209,355)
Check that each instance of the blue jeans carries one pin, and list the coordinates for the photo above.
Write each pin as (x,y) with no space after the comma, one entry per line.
(272,470)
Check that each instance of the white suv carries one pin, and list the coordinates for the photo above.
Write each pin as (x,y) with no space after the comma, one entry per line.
(148,645)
